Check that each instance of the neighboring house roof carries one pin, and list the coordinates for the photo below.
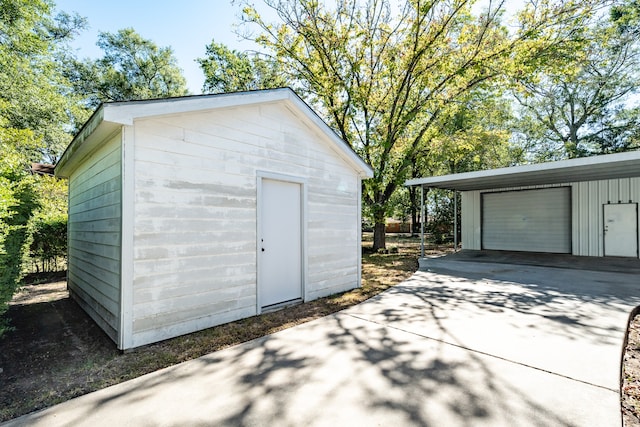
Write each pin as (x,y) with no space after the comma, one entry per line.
(42,169)
(608,166)
(110,117)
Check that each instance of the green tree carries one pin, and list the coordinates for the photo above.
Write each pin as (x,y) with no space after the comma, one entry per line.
(383,78)
(580,111)
(17,204)
(38,110)
(132,68)
(227,70)
(626,16)
(34,93)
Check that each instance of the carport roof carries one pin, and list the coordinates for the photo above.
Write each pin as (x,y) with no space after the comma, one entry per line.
(608,166)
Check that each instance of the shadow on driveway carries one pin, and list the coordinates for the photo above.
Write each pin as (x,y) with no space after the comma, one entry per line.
(462,344)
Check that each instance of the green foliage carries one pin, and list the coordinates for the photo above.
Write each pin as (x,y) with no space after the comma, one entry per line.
(17,203)
(37,113)
(48,226)
(34,95)
(384,80)
(626,17)
(440,207)
(228,70)
(582,110)
(132,68)
(48,248)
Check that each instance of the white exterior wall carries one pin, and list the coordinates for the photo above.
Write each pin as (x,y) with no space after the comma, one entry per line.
(194,246)
(471,220)
(586,212)
(94,236)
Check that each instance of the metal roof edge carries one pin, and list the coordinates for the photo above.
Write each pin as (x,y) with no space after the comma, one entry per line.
(559,165)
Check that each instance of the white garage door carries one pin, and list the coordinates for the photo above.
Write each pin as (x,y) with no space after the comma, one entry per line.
(529,220)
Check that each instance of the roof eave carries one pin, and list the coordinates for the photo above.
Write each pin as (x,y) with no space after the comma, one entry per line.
(609,166)
(108,117)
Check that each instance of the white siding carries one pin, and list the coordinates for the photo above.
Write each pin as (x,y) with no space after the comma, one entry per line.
(587,203)
(195,214)
(94,236)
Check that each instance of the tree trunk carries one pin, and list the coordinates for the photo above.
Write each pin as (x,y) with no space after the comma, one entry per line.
(415,223)
(379,237)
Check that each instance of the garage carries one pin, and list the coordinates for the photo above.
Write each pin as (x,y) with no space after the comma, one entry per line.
(527,220)
(586,206)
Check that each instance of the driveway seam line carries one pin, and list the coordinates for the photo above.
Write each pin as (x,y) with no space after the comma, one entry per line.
(482,352)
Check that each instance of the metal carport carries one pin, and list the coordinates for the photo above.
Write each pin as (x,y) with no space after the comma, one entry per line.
(606,179)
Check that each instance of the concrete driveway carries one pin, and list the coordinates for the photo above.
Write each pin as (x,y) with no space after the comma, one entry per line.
(459,344)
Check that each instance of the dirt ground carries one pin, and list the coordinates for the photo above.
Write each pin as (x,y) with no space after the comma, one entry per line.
(50,335)
(56,352)
(631,375)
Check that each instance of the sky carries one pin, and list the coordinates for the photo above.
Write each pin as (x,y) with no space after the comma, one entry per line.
(188,26)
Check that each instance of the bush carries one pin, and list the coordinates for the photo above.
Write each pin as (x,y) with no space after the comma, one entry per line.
(48,247)
(18,200)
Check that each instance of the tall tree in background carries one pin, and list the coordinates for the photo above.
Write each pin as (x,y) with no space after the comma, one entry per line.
(472,135)
(35,97)
(132,68)
(37,112)
(383,79)
(581,110)
(227,70)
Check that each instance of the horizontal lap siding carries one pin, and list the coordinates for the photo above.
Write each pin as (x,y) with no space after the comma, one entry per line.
(195,215)
(94,236)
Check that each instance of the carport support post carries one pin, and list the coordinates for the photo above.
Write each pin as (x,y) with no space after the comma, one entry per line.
(422,215)
(455,221)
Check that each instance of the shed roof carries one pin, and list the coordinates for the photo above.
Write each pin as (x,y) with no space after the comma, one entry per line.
(42,169)
(110,117)
(608,166)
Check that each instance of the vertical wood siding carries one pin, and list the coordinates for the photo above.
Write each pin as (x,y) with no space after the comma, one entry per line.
(195,214)
(94,236)
(587,203)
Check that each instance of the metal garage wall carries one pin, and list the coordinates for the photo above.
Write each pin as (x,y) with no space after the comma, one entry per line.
(588,199)
(586,211)
(527,220)
(470,224)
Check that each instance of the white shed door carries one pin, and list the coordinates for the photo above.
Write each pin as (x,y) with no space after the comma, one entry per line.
(621,230)
(528,220)
(280,243)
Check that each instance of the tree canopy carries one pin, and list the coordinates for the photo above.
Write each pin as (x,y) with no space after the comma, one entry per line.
(383,77)
(227,70)
(35,97)
(581,110)
(132,68)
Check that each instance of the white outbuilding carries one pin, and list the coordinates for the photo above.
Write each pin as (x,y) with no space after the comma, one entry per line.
(185,213)
(586,206)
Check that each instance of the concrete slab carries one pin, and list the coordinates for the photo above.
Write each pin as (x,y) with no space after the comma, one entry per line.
(565,321)
(462,344)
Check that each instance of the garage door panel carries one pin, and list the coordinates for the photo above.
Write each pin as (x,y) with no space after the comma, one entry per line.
(528,220)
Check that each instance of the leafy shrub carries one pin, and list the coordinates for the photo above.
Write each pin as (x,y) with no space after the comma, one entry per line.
(48,243)
(18,200)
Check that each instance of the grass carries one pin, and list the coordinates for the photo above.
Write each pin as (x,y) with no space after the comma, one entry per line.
(102,365)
